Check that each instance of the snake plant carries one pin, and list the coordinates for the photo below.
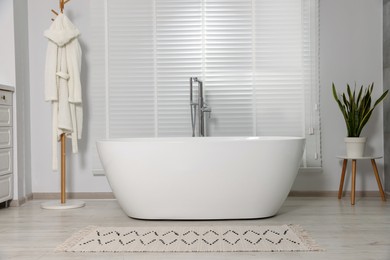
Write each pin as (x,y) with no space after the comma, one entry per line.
(356,108)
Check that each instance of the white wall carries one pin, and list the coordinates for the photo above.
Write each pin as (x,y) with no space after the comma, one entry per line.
(7,48)
(351,50)
(79,176)
(14,72)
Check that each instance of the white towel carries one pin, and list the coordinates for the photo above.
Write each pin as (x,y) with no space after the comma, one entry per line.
(62,82)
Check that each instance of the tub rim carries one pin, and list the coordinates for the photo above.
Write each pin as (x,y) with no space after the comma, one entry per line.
(202,139)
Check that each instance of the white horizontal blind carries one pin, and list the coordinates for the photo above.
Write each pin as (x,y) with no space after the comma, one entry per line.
(228,66)
(257,59)
(278,70)
(178,53)
(310,25)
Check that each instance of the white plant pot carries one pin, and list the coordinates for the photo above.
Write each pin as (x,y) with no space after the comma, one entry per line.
(355,146)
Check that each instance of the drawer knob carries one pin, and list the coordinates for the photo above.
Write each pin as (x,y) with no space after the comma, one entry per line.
(3,97)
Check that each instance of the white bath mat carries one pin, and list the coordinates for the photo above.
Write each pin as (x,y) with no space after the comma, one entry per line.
(190,239)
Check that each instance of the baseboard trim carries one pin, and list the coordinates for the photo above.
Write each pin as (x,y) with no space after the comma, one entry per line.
(21,201)
(333,193)
(110,195)
(73,195)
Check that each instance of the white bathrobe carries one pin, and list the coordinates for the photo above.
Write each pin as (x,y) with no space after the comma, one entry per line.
(62,82)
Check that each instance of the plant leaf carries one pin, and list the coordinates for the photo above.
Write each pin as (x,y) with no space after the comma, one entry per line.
(356,109)
(342,107)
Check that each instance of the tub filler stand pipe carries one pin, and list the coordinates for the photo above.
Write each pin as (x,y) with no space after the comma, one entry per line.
(198,108)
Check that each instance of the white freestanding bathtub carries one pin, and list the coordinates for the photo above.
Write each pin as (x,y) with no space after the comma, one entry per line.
(201,177)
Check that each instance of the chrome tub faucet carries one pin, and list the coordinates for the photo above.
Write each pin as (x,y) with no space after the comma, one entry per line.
(198,108)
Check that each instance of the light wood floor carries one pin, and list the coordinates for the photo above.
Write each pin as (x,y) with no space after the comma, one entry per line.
(345,232)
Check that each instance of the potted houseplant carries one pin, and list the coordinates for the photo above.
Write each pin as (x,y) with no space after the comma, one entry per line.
(356,108)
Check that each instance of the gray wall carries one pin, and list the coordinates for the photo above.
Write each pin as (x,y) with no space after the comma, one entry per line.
(22,96)
(386,85)
(350,51)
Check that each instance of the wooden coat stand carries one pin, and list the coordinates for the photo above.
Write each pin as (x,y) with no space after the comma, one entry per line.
(64,204)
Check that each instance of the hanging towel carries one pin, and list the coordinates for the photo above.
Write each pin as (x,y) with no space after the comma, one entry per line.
(62,82)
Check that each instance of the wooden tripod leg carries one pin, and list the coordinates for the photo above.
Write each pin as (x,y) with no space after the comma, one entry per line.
(378,180)
(353,182)
(342,178)
(63,169)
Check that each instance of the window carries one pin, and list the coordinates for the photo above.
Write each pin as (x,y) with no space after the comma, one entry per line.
(258,60)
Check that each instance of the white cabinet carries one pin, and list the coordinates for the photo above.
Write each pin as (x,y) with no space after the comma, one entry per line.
(6,187)
(6,144)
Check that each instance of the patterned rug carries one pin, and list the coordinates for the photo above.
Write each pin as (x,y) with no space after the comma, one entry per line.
(190,239)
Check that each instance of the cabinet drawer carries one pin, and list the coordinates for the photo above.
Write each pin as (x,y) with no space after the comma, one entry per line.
(5,137)
(5,116)
(6,187)
(5,98)
(5,161)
